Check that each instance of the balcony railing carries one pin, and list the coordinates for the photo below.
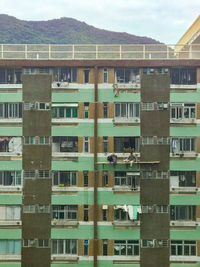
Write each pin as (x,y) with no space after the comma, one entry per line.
(99,51)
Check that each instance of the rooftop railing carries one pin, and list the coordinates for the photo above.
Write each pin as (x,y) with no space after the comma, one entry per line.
(100,52)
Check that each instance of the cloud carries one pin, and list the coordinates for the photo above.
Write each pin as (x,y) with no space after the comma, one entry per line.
(163,20)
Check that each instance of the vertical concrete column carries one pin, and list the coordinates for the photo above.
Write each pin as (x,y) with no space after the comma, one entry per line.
(36,157)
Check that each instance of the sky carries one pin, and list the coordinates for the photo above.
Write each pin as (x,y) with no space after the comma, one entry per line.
(163,20)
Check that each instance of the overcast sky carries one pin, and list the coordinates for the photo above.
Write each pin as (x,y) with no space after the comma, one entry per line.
(163,20)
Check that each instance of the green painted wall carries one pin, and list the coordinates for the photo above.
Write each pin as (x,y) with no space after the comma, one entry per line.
(15,165)
(185,234)
(107,95)
(185,97)
(10,264)
(100,264)
(185,130)
(185,265)
(181,199)
(104,197)
(10,234)
(83,95)
(185,165)
(82,129)
(82,164)
(11,97)
(10,199)
(86,231)
(11,131)
(108,129)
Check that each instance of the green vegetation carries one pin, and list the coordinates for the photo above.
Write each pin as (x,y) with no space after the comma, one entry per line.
(61,31)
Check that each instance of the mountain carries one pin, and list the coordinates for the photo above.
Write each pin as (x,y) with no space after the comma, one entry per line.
(61,31)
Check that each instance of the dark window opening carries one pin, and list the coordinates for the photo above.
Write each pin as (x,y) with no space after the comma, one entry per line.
(65,144)
(126,144)
(183,76)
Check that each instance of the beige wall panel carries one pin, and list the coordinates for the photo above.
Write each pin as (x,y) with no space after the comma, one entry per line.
(80,75)
(198,248)
(91,179)
(91,212)
(110,247)
(110,179)
(80,144)
(80,247)
(91,75)
(110,110)
(100,75)
(80,179)
(198,111)
(91,144)
(100,144)
(198,213)
(198,179)
(198,75)
(80,212)
(100,244)
(198,144)
(91,111)
(91,247)
(80,110)
(111,75)
(100,110)
(110,213)
(110,144)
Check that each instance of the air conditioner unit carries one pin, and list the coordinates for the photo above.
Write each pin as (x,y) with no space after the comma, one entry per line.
(159,243)
(165,106)
(32,243)
(150,243)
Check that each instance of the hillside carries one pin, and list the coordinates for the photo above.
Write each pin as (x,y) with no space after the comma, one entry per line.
(62,31)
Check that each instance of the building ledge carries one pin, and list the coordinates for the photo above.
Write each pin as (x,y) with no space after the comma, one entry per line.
(126,224)
(64,223)
(184,259)
(7,224)
(66,259)
(9,257)
(125,189)
(13,189)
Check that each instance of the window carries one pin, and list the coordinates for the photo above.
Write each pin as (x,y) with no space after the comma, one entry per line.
(105,110)
(105,178)
(65,178)
(129,179)
(182,144)
(85,213)
(65,74)
(10,213)
(153,243)
(43,70)
(10,246)
(105,213)
(29,174)
(10,110)
(43,208)
(105,144)
(127,110)
(161,209)
(126,247)
(183,248)
(29,208)
(120,215)
(127,75)
(43,174)
(105,247)
(86,110)
(147,140)
(65,110)
(85,178)
(162,140)
(126,144)
(65,212)
(185,213)
(43,243)
(65,144)
(162,106)
(85,247)
(147,209)
(43,106)
(147,106)
(86,145)
(105,75)
(183,110)
(10,76)
(29,140)
(183,178)
(30,71)
(154,174)
(10,178)
(86,76)
(44,140)
(30,243)
(183,76)
(29,106)
(65,246)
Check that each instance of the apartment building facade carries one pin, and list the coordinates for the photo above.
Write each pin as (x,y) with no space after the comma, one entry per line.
(61,202)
